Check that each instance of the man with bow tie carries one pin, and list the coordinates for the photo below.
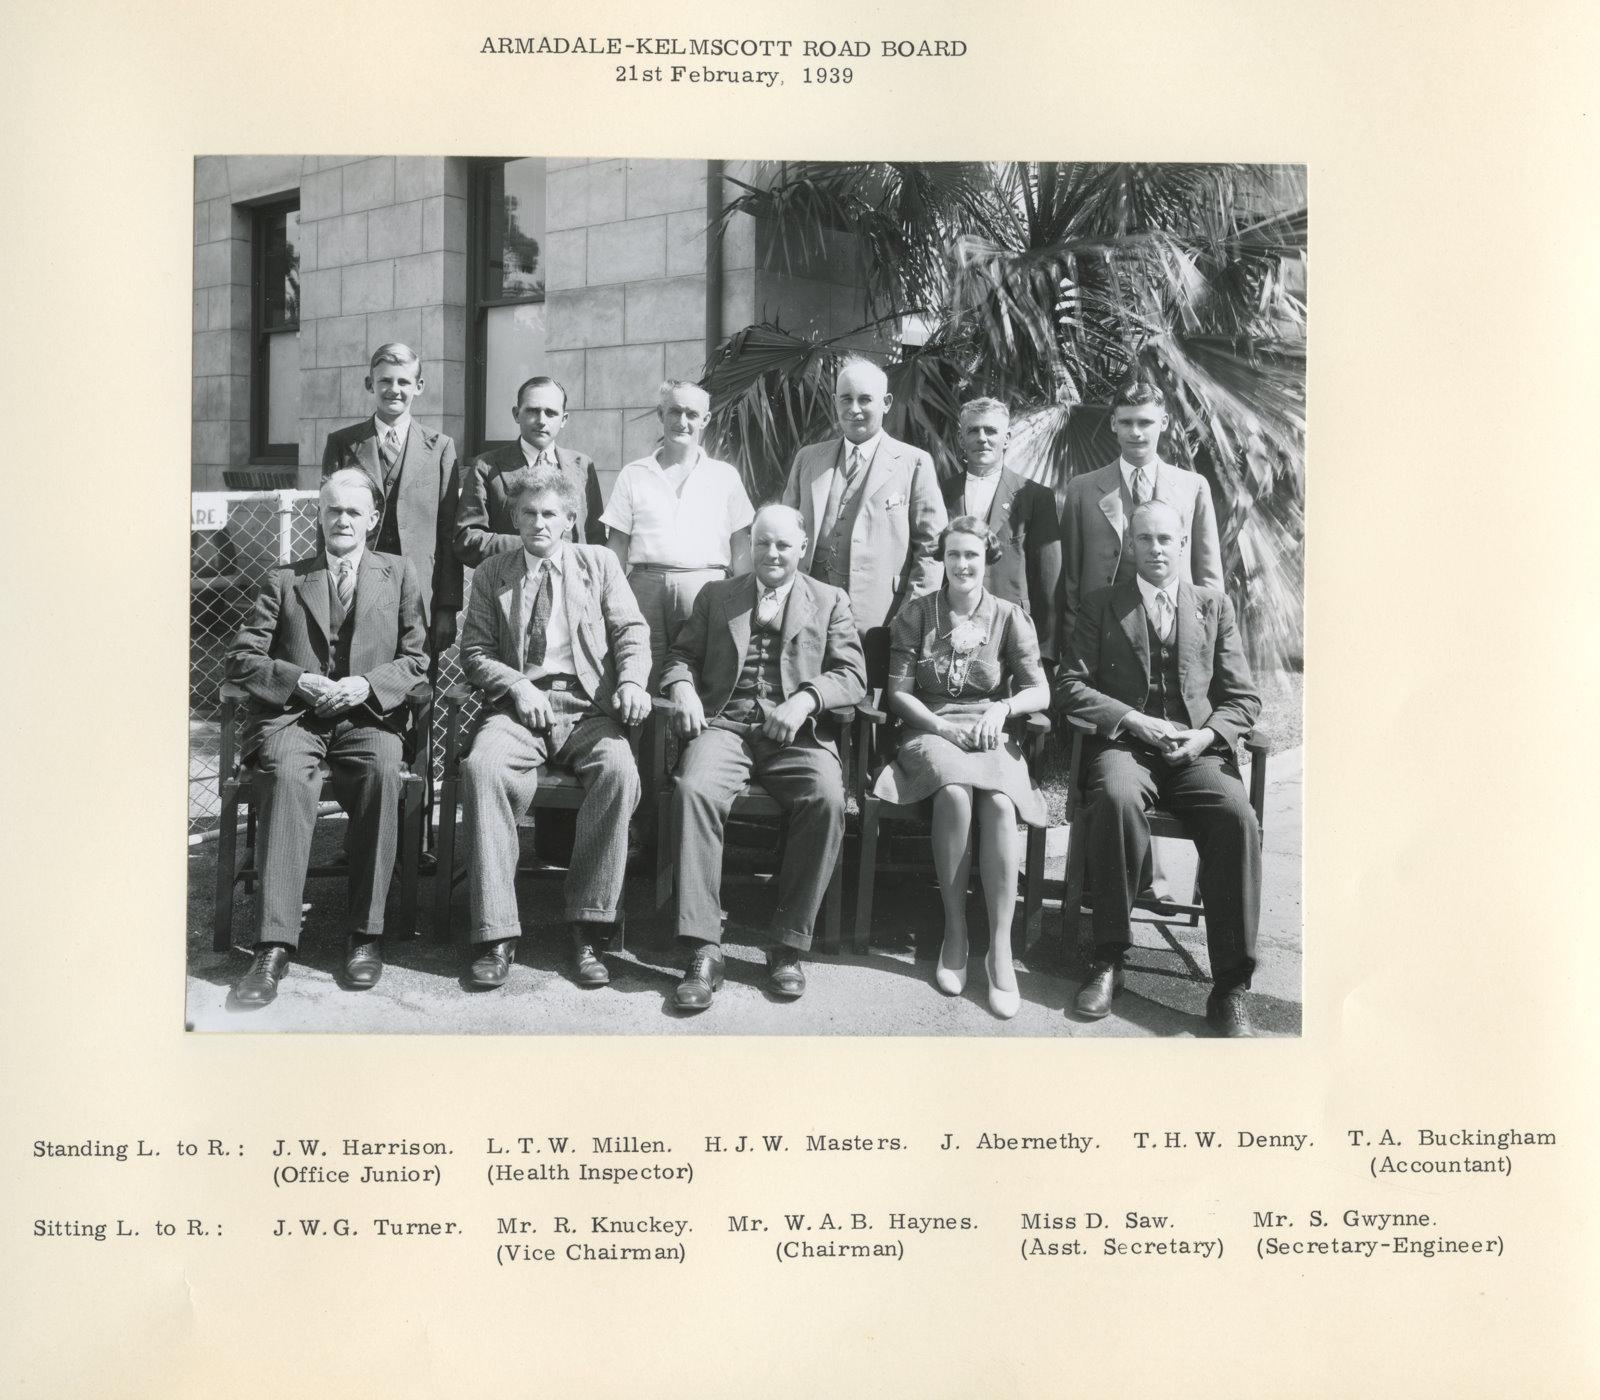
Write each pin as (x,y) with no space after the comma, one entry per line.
(484,523)
(333,649)
(1021,513)
(1156,665)
(753,673)
(555,641)
(871,510)
(419,482)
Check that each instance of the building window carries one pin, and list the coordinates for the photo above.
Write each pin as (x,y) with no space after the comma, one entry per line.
(506,270)
(275,319)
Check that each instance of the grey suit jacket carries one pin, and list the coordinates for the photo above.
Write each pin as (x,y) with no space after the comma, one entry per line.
(610,641)
(430,483)
(289,633)
(1106,670)
(819,647)
(483,524)
(896,530)
(1093,532)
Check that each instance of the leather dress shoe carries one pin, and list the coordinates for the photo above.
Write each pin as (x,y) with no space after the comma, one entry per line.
(1094,997)
(1227,1015)
(363,964)
(587,968)
(493,965)
(785,976)
(701,981)
(259,985)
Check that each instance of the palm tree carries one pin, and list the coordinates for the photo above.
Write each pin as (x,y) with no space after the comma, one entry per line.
(1046,285)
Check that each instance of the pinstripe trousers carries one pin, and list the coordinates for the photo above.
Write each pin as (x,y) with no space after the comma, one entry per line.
(364,765)
(499,777)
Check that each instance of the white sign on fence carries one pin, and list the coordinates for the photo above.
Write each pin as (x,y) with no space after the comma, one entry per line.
(208,510)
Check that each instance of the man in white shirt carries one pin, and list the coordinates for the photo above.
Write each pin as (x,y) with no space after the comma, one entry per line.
(1156,665)
(678,519)
(555,641)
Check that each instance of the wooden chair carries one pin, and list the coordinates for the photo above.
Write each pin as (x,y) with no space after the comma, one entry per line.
(754,802)
(558,791)
(237,788)
(1162,823)
(1032,730)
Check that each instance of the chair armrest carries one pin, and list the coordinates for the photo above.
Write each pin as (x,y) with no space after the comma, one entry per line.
(231,694)
(871,713)
(1083,726)
(1037,723)
(456,697)
(1256,746)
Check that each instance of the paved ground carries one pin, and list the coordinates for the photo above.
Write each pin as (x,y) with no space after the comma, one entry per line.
(887,991)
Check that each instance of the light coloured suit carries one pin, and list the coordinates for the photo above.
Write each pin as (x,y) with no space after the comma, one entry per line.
(610,646)
(483,523)
(430,483)
(1094,534)
(896,531)
(818,650)
(291,631)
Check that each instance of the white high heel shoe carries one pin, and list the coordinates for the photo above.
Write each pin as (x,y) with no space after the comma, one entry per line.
(1005,1005)
(951,981)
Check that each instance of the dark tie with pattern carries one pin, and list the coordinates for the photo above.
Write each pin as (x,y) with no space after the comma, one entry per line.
(539,618)
(389,451)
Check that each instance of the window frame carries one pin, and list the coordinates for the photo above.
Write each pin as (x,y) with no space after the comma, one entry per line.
(262,452)
(479,223)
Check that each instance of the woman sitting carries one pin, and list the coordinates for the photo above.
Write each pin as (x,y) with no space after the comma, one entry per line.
(962,663)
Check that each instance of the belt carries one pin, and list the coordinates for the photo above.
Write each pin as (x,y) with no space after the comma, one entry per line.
(559,681)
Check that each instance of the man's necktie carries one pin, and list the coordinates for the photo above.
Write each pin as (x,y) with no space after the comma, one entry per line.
(389,451)
(1163,617)
(767,607)
(1141,487)
(345,582)
(853,470)
(539,617)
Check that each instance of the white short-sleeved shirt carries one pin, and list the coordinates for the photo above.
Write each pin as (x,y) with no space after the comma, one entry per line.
(687,530)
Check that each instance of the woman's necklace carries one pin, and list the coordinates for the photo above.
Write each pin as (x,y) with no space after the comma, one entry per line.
(965,635)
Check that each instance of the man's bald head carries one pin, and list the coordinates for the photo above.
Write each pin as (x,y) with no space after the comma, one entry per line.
(1159,542)
(777,544)
(861,397)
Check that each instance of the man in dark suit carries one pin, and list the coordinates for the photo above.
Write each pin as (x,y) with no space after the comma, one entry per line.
(753,672)
(555,641)
(1099,504)
(871,510)
(1021,513)
(419,479)
(1156,666)
(484,522)
(335,645)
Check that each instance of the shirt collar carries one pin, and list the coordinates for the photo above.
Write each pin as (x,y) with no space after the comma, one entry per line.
(782,591)
(531,561)
(401,426)
(867,449)
(336,561)
(654,459)
(1128,469)
(531,454)
(1148,591)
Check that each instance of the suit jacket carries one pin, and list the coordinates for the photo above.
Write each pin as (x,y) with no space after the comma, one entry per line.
(430,482)
(896,530)
(819,646)
(483,524)
(1106,670)
(289,632)
(610,641)
(1028,572)
(1093,532)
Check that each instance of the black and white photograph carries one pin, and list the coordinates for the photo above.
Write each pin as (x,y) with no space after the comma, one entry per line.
(664,596)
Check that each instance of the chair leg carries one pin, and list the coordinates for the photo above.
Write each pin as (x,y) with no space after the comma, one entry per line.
(410,853)
(865,872)
(1194,899)
(833,908)
(1033,890)
(444,866)
(227,843)
(666,849)
(1072,894)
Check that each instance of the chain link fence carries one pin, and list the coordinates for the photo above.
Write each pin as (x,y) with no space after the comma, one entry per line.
(237,537)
